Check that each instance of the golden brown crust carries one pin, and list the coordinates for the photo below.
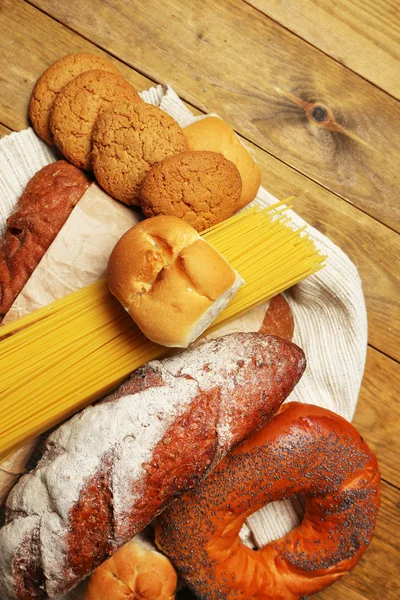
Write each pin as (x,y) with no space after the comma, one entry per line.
(77,106)
(212,133)
(167,278)
(53,80)
(127,141)
(41,211)
(201,187)
(304,450)
(136,571)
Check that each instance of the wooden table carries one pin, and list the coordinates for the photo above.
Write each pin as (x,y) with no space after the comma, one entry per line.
(313,87)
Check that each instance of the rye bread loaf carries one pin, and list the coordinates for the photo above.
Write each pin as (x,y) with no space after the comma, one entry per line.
(108,471)
(40,213)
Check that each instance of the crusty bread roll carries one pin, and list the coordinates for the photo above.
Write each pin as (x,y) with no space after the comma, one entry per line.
(171,281)
(212,133)
(137,570)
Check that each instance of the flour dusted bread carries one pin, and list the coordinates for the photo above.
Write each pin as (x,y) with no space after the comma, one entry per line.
(171,281)
(212,133)
(108,471)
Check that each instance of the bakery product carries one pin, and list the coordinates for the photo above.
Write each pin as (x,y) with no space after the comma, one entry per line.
(212,133)
(41,211)
(171,281)
(304,450)
(77,106)
(127,141)
(108,471)
(202,188)
(53,80)
(137,570)
(278,319)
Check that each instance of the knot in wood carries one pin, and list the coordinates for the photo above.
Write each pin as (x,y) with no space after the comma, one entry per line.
(319,113)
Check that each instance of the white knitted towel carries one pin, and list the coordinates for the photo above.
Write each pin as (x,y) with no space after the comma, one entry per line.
(328,307)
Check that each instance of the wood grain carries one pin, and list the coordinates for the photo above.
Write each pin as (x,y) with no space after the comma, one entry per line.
(184,43)
(264,81)
(374,248)
(364,35)
(377,416)
(4,131)
(22,63)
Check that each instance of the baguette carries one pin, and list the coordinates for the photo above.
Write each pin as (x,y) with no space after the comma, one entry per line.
(107,472)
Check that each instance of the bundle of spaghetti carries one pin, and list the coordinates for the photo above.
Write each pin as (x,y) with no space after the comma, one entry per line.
(60,358)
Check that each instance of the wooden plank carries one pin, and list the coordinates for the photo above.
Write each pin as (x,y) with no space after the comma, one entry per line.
(364,36)
(4,131)
(263,80)
(374,248)
(377,416)
(29,43)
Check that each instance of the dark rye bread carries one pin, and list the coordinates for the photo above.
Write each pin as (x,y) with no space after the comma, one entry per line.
(112,468)
(41,211)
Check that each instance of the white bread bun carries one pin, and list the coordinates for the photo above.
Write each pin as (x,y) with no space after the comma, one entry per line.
(212,133)
(137,570)
(171,281)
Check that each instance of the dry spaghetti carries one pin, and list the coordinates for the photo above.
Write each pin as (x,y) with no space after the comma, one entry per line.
(65,355)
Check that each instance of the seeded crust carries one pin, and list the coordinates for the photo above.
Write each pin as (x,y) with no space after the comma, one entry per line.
(53,80)
(304,450)
(202,188)
(127,141)
(77,107)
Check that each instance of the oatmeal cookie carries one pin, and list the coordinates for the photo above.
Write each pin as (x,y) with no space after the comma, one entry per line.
(53,80)
(203,188)
(127,141)
(77,107)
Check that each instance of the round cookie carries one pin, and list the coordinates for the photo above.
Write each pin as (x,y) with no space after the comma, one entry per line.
(77,107)
(53,80)
(201,187)
(127,141)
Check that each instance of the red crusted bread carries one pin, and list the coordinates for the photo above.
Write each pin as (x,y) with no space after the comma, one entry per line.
(304,450)
(112,468)
(41,211)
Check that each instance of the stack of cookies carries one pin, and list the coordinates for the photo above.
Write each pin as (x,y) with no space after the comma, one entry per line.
(137,152)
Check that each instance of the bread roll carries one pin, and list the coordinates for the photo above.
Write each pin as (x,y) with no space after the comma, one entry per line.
(137,570)
(171,281)
(212,133)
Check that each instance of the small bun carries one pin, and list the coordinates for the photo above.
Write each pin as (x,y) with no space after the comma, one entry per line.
(137,570)
(203,188)
(171,281)
(212,133)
